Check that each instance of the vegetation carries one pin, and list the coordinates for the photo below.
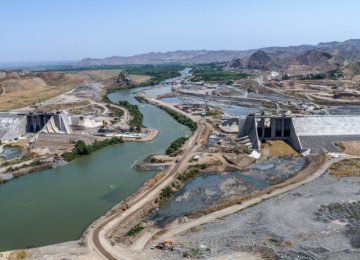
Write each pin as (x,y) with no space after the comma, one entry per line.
(332,74)
(182,119)
(215,72)
(106,99)
(140,99)
(135,230)
(175,145)
(117,112)
(137,116)
(158,73)
(165,195)
(188,175)
(81,148)
(346,168)
(169,191)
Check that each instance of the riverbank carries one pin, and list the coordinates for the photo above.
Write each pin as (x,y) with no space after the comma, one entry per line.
(103,183)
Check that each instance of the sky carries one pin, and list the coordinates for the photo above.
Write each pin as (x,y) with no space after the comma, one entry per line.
(59,30)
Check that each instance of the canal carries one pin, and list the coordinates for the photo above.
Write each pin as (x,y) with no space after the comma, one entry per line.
(57,205)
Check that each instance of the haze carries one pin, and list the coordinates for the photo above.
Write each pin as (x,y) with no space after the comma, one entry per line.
(70,30)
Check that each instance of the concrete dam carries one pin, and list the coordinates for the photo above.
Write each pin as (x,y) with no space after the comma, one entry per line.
(15,126)
(305,133)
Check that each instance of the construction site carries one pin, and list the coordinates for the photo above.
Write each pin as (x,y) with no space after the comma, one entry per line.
(244,148)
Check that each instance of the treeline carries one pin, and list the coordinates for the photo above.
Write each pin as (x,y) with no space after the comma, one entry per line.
(332,74)
(81,148)
(137,116)
(175,145)
(158,73)
(215,72)
(182,119)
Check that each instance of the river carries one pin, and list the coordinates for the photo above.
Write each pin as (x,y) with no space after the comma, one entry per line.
(57,205)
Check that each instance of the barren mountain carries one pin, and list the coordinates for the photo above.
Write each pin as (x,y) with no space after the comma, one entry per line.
(292,59)
(260,60)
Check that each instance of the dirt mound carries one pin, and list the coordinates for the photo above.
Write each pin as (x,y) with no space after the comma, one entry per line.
(16,85)
(56,78)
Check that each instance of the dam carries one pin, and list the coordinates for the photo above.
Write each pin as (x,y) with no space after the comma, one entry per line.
(15,126)
(311,134)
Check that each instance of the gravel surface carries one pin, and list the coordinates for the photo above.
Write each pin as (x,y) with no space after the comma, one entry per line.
(325,143)
(296,225)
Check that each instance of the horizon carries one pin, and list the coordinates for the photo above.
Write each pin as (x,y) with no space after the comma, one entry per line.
(67,30)
(10,63)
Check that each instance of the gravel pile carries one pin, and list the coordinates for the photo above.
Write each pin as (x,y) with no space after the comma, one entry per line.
(347,213)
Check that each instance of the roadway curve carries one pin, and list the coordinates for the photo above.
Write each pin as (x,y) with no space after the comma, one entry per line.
(99,245)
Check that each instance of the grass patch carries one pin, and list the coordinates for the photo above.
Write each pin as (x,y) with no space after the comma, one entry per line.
(346,168)
(135,230)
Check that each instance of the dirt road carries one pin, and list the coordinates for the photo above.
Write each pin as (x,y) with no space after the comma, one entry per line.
(98,243)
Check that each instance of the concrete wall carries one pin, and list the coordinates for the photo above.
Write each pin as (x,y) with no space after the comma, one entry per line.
(294,138)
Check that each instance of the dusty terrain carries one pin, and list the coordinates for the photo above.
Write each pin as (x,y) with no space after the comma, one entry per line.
(22,92)
(277,148)
(351,147)
(285,226)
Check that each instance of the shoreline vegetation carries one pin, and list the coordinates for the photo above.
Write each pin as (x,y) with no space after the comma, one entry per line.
(81,148)
(136,121)
(175,146)
(180,118)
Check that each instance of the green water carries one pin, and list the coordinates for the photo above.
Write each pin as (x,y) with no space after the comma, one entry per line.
(57,205)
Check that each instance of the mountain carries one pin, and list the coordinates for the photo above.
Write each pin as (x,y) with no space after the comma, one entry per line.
(293,59)
(260,60)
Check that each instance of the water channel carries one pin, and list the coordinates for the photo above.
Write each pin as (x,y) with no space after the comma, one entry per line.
(57,205)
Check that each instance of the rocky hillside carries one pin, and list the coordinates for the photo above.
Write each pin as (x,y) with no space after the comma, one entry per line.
(293,59)
(260,60)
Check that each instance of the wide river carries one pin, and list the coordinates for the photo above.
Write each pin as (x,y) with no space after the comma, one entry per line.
(57,205)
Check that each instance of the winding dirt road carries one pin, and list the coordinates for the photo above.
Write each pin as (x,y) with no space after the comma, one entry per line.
(99,245)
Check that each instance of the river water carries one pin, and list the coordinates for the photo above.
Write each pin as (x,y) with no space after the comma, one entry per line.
(57,205)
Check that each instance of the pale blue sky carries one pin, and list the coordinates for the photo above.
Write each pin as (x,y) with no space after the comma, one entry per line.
(50,30)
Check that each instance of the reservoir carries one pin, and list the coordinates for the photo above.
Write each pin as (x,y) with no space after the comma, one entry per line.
(57,205)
